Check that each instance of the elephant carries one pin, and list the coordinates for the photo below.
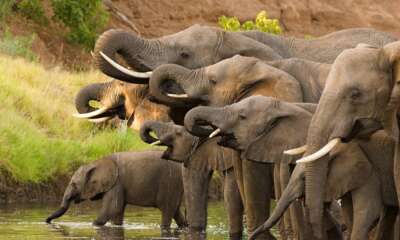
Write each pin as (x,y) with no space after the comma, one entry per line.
(137,178)
(360,97)
(199,46)
(236,78)
(124,100)
(259,128)
(200,160)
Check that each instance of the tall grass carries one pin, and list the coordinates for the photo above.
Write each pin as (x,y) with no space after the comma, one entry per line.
(39,138)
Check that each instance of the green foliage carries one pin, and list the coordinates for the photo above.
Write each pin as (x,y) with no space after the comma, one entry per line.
(83,18)
(261,23)
(33,9)
(5,8)
(39,138)
(17,45)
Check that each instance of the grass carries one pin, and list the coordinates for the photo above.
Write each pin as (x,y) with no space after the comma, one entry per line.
(17,45)
(39,139)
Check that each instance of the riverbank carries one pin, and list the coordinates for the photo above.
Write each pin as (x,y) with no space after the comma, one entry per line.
(40,142)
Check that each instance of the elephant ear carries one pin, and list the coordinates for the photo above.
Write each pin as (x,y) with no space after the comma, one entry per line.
(101,176)
(269,147)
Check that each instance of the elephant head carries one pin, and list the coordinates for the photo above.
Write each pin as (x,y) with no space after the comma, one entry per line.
(353,104)
(257,126)
(194,47)
(125,100)
(223,83)
(178,141)
(89,182)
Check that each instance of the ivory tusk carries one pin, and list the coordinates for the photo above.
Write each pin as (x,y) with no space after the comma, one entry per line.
(320,153)
(99,120)
(125,70)
(296,151)
(90,114)
(215,133)
(155,143)
(177,95)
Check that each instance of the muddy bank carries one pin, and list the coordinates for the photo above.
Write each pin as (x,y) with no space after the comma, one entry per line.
(12,191)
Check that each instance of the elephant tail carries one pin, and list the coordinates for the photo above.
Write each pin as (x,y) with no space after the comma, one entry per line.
(294,190)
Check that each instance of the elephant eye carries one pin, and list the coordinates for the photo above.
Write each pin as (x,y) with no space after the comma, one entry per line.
(242,116)
(213,81)
(184,55)
(355,94)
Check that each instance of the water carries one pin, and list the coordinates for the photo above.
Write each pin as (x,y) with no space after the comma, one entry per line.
(27,222)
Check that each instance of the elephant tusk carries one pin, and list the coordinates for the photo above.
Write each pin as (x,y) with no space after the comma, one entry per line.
(99,120)
(177,95)
(91,114)
(215,133)
(155,143)
(296,151)
(320,153)
(125,70)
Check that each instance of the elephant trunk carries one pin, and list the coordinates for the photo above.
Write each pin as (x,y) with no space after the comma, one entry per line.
(149,126)
(67,199)
(140,54)
(175,85)
(200,120)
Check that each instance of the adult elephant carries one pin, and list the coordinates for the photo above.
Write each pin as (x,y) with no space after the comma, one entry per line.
(199,46)
(259,127)
(356,101)
(124,100)
(200,159)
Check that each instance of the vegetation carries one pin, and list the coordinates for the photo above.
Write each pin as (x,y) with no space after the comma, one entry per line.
(17,45)
(39,138)
(5,8)
(83,18)
(33,9)
(261,23)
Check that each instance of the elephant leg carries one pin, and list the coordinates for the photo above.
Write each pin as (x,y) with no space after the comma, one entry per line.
(347,212)
(112,206)
(118,219)
(278,194)
(180,219)
(238,169)
(333,227)
(233,204)
(258,187)
(386,227)
(367,207)
(195,184)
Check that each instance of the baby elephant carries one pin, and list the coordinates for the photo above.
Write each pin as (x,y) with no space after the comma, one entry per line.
(137,178)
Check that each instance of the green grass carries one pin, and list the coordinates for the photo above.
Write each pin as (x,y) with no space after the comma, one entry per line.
(39,139)
(17,45)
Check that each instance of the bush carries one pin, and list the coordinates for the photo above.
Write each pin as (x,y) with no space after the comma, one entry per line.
(5,8)
(262,23)
(33,9)
(17,45)
(83,18)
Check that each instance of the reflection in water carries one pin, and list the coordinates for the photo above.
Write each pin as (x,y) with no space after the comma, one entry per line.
(27,222)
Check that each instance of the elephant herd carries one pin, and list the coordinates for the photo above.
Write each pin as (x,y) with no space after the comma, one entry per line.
(310,123)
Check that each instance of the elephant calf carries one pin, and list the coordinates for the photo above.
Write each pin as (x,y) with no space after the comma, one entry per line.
(137,178)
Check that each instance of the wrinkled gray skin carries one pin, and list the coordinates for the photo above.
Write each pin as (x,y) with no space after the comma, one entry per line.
(199,46)
(200,158)
(124,100)
(355,101)
(136,178)
(262,128)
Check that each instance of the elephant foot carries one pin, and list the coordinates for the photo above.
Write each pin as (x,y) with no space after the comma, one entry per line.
(266,236)
(165,231)
(235,236)
(98,223)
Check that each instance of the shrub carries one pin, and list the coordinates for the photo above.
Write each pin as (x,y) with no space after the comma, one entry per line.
(33,9)
(17,45)
(83,18)
(5,8)
(261,23)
